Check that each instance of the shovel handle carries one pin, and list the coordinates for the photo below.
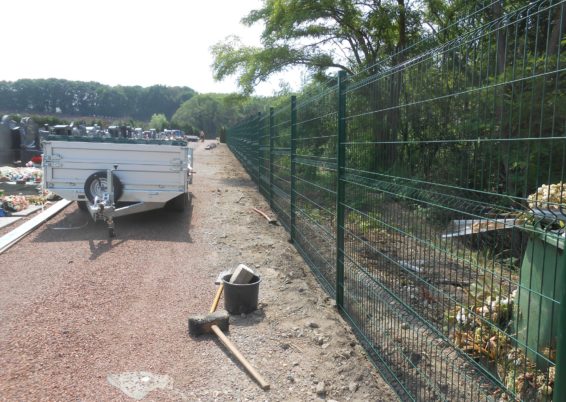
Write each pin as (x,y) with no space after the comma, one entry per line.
(226,342)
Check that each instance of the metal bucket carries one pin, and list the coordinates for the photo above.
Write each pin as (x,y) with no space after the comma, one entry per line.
(538,310)
(241,298)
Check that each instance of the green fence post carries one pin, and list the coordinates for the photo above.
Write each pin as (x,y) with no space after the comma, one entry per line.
(258,150)
(559,393)
(293,167)
(271,157)
(340,198)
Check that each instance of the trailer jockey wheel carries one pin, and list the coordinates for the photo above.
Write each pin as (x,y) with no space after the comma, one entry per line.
(96,185)
(110,223)
(82,205)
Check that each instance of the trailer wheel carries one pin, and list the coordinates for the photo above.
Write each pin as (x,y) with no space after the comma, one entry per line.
(95,185)
(179,203)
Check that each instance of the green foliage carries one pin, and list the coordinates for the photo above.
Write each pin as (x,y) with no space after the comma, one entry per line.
(222,135)
(319,35)
(211,112)
(76,98)
(158,122)
(41,120)
(364,222)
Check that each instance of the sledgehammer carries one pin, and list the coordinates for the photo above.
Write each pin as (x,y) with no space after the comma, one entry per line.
(218,321)
(199,325)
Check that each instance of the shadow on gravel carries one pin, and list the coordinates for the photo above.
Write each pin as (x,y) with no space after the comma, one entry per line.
(101,247)
(157,225)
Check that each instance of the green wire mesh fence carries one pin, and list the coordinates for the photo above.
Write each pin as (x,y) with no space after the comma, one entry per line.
(314,182)
(280,185)
(428,197)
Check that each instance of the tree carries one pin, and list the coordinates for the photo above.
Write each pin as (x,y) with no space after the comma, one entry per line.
(209,112)
(112,102)
(159,122)
(156,99)
(352,35)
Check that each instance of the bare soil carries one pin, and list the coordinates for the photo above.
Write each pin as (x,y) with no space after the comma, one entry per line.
(86,318)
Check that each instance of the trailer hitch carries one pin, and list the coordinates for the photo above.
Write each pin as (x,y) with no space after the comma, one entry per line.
(103,207)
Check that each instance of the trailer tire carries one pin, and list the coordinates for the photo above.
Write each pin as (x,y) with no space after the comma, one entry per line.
(96,183)
(180,203)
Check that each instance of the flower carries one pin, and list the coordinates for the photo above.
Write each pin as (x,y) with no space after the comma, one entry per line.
(20,174)
(14,203)
(462,317)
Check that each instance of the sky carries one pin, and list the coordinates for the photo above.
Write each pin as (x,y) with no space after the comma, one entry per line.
(126,42)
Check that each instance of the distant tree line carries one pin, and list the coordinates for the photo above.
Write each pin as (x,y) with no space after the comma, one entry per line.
(55,101)
(77,98)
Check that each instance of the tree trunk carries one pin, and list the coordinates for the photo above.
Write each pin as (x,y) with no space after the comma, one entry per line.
(558,25)
(501,37)
(385,132)
(396,85)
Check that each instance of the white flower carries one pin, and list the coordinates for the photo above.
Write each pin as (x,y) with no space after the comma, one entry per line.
(484,311)
(461,317)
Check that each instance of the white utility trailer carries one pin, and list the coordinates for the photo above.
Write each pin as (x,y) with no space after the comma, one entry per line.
(112,177)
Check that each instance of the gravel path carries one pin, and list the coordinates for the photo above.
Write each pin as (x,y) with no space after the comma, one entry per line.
(85,318)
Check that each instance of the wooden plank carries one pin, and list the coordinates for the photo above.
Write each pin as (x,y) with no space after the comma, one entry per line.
(20,232)
(466,227)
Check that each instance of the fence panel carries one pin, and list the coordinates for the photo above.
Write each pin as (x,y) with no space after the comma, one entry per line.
(264,155)
(243,140)
(281,162)
(443,151)
(315,184)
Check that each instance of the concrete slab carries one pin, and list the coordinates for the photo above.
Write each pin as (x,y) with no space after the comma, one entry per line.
(243,274)
(8,220)
(137,385)
(29,210)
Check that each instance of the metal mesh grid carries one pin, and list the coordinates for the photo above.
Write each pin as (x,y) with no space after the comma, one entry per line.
(315,184)
(281,165)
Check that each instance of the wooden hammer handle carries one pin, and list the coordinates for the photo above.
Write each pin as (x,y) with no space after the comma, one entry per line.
(261,381)
(217,298)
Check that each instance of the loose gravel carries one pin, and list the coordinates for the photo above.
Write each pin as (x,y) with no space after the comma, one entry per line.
(86,318)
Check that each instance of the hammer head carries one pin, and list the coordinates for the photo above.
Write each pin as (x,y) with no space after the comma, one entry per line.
(201,324)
